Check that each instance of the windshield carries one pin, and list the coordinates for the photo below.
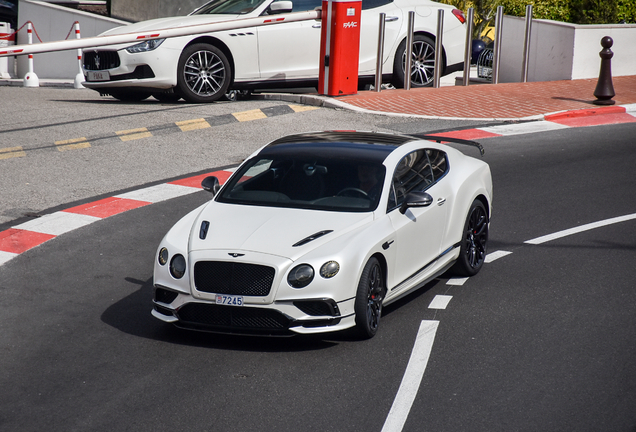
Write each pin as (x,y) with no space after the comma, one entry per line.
(318,180)
(230,7)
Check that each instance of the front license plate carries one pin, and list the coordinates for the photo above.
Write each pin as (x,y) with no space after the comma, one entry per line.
(98,76)
(229,300)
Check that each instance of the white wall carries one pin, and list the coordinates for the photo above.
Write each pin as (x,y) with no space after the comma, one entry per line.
(53,23)
(563,51)
(141,10)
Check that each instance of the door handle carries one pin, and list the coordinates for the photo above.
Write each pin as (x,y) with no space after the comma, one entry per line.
(391,19)
(315,26)
(441,201)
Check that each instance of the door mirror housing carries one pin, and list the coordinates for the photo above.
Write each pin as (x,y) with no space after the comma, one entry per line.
(279,7)
(416,199)
(211,184)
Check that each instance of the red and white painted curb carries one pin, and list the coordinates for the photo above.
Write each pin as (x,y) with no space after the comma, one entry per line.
(561,120)
(27,235)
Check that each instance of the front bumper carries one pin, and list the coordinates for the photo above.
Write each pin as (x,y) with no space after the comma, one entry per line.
(152,70)
(281,318)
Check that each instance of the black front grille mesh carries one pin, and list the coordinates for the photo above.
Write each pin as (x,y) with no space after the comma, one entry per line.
(230,317)
(100,60)
(315,308)
(233,278)
(165,296)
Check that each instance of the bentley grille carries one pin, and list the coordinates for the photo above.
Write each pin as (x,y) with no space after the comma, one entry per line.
(233,278)
(100,60)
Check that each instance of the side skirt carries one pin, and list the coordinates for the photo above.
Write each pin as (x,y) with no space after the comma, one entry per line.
(403,287)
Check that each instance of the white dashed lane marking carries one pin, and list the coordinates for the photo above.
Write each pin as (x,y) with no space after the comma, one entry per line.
(440,302)
(495,256)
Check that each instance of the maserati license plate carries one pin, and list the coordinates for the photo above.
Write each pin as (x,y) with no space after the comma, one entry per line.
(98,76)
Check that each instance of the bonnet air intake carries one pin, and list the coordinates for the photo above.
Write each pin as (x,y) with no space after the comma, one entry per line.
(312,238)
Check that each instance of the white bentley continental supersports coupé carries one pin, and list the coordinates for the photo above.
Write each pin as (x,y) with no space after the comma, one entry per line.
(316,232)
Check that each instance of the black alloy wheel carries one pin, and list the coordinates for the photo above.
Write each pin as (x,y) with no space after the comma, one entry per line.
(474,241)
(369,298)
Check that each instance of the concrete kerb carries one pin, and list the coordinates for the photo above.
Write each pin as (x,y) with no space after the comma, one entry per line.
(15,82)
(327,102)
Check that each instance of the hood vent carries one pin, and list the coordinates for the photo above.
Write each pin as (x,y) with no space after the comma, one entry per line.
(312,238)
(203,232)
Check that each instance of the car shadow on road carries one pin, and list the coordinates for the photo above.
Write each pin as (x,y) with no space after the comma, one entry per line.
(131,315)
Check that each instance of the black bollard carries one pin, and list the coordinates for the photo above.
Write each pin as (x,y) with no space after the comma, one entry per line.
(604,89)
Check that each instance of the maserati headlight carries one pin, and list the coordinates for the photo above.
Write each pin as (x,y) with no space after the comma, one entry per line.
(177,266)
(163,256)
(300,276)
(329,269)
(145,46)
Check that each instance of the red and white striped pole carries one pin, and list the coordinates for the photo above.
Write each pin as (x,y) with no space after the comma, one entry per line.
(30,79)
(80,75)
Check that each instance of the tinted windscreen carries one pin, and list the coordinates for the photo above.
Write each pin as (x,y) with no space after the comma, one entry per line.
(310,178)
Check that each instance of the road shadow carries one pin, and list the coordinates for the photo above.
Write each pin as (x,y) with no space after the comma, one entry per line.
(131,315)
(585,101)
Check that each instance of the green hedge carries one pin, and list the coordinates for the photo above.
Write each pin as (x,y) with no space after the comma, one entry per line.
(572,11)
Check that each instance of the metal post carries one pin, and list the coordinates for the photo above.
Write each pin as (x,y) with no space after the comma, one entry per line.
(30,79)
(409,51)
(497,48)
(378,62)
(437,74)
(604,91)
(526,44)
(327,22)
(77,83)
(469,46)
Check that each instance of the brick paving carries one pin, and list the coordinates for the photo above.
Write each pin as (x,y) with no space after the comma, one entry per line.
(501,101)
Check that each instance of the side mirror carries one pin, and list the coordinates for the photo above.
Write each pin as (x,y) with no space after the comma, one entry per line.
(211,184)
(279,7)
(416,199)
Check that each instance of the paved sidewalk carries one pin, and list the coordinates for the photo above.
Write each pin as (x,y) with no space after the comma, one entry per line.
(508,101)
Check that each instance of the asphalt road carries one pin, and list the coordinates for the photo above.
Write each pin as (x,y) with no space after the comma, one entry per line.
(541,339)
(60,146)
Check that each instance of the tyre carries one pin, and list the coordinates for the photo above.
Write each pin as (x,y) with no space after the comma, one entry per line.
(474,241)
(130,96)
(369,297)
(422,63)
(204,73)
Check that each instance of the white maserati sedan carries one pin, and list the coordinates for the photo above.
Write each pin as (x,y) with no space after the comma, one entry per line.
(204,67)
(316,232)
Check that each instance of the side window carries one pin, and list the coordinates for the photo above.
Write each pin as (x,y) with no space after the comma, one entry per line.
(438,162)
(305,5)
(370,4)
(416,172)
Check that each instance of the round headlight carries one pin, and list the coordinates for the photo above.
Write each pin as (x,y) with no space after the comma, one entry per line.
(329,269)
(163,256)
(177,266)
(301,276)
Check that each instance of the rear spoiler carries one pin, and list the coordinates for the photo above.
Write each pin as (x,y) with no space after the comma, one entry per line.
(441,139)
